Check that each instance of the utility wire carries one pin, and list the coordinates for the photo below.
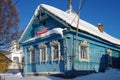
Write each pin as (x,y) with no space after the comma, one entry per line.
(83,2)
(80,7)
(80,4)
(78,14)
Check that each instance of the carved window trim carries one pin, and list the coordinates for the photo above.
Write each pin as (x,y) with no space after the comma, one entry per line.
(32,54)
(53,45)
(84,51)
(109,52)
(43,47)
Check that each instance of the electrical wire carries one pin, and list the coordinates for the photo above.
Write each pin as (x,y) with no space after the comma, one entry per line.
(80,7)
(78,14)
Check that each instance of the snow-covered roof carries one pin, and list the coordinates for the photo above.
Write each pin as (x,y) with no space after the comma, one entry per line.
(71,19)
(55,30)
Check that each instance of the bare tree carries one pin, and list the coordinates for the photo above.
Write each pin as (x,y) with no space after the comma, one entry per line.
(9,20)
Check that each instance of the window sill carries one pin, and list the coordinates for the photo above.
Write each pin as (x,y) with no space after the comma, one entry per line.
(84,60)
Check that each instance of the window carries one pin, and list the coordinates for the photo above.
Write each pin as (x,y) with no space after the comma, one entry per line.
(32,54)
(84,51)
(43,16)
(43,52)
(109,51)
(55,51)
(16,59)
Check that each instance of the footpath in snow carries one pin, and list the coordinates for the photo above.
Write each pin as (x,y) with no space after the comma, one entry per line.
(111,74)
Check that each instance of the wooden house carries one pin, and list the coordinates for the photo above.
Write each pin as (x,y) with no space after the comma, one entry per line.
(4,61)
(16,56)
(53,45)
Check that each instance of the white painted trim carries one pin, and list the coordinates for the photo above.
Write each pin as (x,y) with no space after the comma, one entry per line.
(84,43)
(46,54)
(54,43)
(109,51)
(32,51)
(43,46)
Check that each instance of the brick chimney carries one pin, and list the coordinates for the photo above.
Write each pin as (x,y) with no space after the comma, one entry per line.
(100,27)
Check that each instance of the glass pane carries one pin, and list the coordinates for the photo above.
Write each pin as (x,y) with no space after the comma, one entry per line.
(83,52)
(55,51)
(33,56)
(16,59)
(43,54)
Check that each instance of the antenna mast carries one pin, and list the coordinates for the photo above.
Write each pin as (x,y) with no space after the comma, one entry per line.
(70,5)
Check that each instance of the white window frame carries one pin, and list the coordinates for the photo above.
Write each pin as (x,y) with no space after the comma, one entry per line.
(109,51)
(32,54)
(84,55)
(43,46)
(53,44)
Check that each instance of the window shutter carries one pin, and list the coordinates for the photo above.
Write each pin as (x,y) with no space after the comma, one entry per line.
(79,53)
(46,54)
(30,56)
(52,54)
(59,52)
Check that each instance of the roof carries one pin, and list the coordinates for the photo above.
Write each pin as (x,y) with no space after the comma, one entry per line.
(71,19)
(4,52)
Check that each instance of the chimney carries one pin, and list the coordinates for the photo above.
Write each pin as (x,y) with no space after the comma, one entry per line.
(70,5)
(100,27)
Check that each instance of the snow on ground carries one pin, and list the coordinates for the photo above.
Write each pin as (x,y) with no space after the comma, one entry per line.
(111,74)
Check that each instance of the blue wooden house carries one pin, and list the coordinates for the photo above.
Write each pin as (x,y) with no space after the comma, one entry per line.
(54,43)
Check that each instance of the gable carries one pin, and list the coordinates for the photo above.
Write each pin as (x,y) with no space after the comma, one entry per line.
(40,21)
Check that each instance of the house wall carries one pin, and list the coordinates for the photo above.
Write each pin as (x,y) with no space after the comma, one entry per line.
(116,59)
(97,53)
(69,62)
(38,66)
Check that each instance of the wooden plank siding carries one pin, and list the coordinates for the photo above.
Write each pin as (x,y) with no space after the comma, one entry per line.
(97,49)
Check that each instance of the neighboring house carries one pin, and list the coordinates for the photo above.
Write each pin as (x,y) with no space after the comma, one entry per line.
(16,56)
(4,61)
(52,46)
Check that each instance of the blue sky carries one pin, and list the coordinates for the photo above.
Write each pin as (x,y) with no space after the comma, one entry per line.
(106,12)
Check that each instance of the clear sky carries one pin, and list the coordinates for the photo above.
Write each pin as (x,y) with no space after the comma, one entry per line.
(106,12)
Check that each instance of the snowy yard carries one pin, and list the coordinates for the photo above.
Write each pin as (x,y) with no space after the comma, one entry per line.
(111,74)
